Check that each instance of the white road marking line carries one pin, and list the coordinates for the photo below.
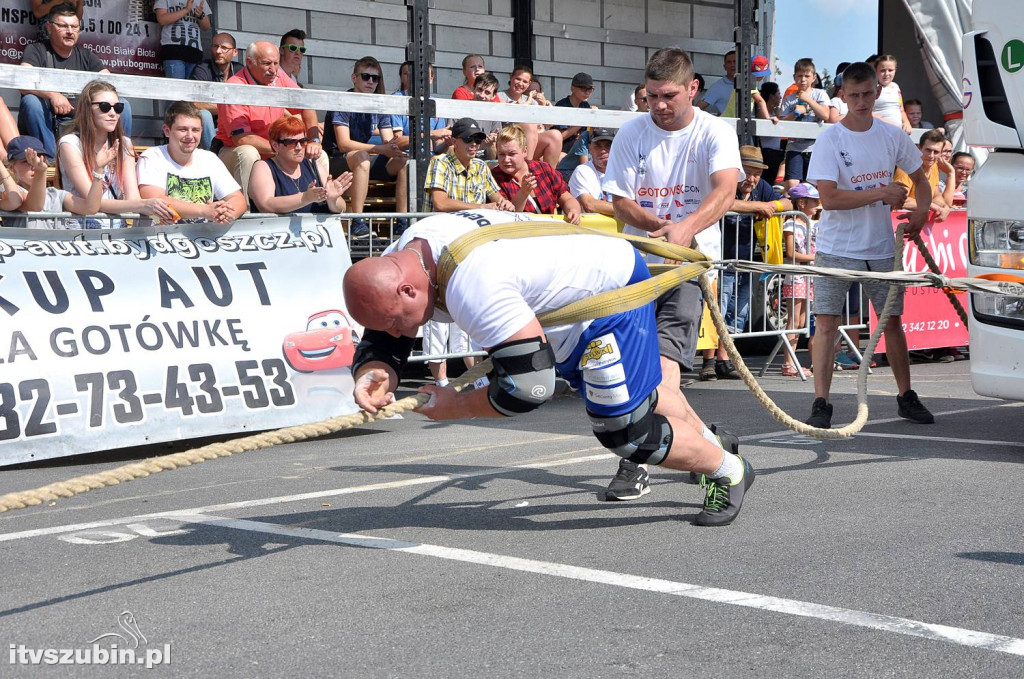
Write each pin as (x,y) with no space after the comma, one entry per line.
(889,420)
(946,439)
(244,504)
(846,616)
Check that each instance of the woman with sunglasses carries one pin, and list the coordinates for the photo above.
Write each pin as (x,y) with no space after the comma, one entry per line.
(180,22)
(288,182)
(110,157)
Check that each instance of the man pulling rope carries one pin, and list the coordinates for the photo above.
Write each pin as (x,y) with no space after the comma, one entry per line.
(496,293)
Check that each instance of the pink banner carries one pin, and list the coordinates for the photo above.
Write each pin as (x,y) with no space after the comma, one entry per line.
(122,33)
(929,318)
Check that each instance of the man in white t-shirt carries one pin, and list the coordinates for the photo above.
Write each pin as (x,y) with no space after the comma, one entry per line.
(497,293)
(194,182)
(585,182)
(672,173)
(852,167)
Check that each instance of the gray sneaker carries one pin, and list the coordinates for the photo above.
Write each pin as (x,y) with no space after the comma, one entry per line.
(631,482)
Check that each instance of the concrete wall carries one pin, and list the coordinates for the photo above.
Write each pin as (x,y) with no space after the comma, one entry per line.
(612,39)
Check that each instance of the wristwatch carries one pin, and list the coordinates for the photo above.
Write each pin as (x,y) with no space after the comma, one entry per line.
(314,140)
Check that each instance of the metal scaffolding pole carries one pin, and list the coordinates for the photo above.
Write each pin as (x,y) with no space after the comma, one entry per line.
(421,107)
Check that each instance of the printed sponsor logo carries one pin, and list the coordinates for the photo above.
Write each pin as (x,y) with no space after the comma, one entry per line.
(647,203)
(664,191)
(600,352)
(613,374)
(609,397)
(869,176)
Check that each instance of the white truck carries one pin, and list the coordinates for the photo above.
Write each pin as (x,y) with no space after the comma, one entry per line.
(993,92)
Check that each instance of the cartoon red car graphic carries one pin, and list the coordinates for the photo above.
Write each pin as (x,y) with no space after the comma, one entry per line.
(327,343)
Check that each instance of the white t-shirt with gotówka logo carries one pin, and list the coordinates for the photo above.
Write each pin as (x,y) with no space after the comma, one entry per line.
(669,172)
(858,161)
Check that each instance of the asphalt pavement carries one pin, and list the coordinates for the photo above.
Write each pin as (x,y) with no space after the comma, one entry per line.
(483,549)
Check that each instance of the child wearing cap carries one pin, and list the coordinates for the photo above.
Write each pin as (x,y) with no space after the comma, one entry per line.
(27,162)
(798,239)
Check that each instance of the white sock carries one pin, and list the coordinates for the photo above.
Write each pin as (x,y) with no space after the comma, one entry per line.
(443,382)
(731,467)
(711,436)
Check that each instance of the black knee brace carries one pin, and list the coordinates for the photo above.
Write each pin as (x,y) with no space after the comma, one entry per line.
(641,436)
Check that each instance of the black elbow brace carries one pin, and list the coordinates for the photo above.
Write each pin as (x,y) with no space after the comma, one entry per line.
(523,376)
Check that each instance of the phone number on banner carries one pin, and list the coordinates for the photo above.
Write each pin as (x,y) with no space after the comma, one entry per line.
(114,396)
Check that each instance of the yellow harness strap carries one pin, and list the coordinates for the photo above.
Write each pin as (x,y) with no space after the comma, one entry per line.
(596,306)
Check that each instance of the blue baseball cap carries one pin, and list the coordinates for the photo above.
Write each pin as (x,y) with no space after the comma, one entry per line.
(17,147)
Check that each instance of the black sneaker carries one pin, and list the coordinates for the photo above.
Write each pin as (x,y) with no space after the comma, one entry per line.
(725,370)
(912,409)
(723,498)
(707,370)
(821,414)
(631,482)
(730,443)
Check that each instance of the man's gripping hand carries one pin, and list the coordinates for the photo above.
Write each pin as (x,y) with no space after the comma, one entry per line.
(371,390)
(680,233)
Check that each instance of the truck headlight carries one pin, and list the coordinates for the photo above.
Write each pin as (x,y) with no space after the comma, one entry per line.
(997,243)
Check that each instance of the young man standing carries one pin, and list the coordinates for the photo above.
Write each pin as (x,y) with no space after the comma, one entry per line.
(932,163)
(673,173)
(194,182)
(852,167)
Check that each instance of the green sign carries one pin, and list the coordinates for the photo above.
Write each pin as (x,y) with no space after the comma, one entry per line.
(1013,56)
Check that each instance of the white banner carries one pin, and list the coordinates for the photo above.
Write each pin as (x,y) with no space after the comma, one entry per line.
(124,34)
(115,338)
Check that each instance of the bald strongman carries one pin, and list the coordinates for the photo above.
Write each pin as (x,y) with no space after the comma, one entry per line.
(495,295)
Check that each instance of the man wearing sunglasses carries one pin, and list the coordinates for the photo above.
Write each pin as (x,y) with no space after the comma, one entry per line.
(575,139)
(347,138)
(217,69)
(242,128)
(40,111)
(293,48)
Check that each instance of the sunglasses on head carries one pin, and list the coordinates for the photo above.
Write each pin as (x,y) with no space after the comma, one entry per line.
(301,49)
(369,77)
(105,106)
(291,142)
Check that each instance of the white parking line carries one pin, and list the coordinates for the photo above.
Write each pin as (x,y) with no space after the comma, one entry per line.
(334,492)
(846,616)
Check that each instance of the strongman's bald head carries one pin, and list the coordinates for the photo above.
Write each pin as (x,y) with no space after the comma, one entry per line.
(389,293)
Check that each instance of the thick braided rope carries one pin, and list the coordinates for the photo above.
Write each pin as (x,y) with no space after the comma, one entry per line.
(301,432)
(773,409)
(933,265)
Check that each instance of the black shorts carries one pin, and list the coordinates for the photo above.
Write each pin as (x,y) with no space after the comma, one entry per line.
(378,167)
(678,314)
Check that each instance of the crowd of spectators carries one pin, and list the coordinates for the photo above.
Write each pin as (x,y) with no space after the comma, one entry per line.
(287,160)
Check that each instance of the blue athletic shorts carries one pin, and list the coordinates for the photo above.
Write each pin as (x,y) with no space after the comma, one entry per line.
(616,364)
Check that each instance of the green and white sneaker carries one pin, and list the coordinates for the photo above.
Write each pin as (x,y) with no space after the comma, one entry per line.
(723,497)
